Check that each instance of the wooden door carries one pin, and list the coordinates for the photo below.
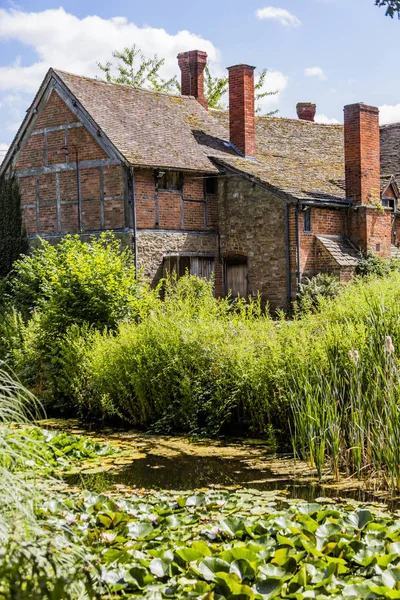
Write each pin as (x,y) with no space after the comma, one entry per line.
(236,278)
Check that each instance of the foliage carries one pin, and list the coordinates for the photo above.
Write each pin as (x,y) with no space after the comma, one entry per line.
(76,284)
(372,264)
(243,544)
(392,7)
(13,238)
(136,70)
(313,291)
(194,364)
(36,561)
(217,87)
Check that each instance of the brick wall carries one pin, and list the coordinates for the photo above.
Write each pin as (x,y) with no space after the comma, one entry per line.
(48,177)
(252,224)
(189,209)
(371,229)
(324,222)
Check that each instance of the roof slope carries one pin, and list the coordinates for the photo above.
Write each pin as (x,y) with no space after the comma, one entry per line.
(151,128)
(303,159)
(341,250)
(299,159)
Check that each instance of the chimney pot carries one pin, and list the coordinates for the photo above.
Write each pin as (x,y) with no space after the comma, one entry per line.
(306,111)
(241,108)
(192,66)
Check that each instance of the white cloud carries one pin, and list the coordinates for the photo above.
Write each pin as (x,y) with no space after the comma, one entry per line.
(389,114)
(321,118)
(3,150)
(283,16)
(315,72)
(64,41)
(274,81)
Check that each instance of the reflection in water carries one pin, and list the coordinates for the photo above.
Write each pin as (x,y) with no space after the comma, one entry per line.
(186,472)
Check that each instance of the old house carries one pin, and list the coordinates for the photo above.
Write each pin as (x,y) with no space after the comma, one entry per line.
(260,202)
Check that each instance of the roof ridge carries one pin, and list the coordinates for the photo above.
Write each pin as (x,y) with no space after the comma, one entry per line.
(124,85)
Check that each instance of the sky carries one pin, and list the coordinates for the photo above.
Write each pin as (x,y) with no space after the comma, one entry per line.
(330,52)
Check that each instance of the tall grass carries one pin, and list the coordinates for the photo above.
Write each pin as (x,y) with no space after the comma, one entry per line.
(37,559)
(348,415)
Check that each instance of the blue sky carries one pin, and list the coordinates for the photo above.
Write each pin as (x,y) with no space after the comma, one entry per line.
(331,52)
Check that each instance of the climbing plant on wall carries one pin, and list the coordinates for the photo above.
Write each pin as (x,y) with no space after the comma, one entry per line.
(13,238)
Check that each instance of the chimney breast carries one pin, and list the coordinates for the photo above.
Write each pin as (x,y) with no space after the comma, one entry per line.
(362,153)
(241,108)
(192,66)
(306,111)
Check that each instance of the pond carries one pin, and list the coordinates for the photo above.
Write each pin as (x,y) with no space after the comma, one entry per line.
(177,463)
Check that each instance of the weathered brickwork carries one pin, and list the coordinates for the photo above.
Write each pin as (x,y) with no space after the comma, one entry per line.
(50,199)
(370,228)
(323,222)
(241,108)
(252,224)
(55,114)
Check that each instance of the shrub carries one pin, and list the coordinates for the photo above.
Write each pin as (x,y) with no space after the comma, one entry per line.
(313,291)
(87,285)
(13,238)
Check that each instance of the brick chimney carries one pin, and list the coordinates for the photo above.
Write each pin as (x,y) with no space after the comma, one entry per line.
(362,153)
(192,66)
(241,108)
(306,111)
(370,226)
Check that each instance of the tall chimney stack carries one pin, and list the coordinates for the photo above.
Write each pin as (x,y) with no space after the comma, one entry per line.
(306,111)
(362,153)
(370,227)
(241,109)
(192,66)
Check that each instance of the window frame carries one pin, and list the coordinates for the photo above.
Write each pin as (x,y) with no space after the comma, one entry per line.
(307,220)
(183,263)
(169,174)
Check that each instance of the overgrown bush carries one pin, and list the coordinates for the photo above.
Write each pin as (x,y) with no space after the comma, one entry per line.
(370,264)
(74,284)
(315,289)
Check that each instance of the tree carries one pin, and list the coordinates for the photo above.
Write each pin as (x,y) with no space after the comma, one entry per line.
(136,70)
(13,238)
(392,6)
(216,87)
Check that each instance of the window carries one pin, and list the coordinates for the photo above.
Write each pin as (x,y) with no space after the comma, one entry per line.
(212,185)
(169,180)
(307,225)
(202,266)
(389,203)
(236,276)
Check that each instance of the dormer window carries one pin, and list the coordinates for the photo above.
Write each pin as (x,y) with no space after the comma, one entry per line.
(389,203)
(169,180)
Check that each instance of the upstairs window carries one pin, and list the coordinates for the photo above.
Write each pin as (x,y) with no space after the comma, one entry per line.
(212,185)
(169,180)
(389,203)
(307,224)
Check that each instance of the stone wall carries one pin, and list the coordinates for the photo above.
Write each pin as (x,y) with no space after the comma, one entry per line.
(153,245)
(253,225)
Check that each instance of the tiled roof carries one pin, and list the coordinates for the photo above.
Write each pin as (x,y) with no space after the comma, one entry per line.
(151,128)
(301,159)
(390,149)
(341,250)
